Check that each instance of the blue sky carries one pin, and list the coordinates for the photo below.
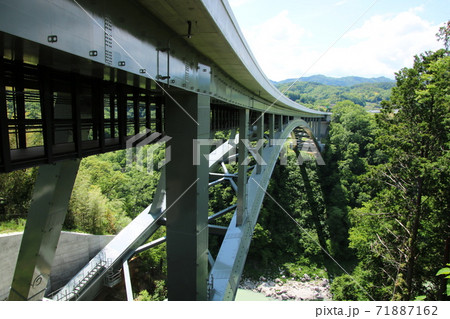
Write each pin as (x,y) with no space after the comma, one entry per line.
(370,38)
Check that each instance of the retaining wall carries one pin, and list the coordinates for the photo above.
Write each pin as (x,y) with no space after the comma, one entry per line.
(73,252)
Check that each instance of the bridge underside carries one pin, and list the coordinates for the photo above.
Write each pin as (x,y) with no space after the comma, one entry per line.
(49,115)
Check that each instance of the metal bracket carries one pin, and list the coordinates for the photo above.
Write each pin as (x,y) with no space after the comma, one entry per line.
(52,38)
(159,76)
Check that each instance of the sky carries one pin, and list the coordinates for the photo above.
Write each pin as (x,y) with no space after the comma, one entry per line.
(368,38)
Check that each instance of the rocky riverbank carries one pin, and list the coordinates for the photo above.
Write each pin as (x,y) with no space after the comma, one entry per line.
(289,289)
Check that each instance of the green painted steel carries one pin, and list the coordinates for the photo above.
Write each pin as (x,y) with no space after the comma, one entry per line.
(120,249)
(46,216)
(229,264)
(260,139)
(146,39)
(242,172)
(271,128)
(187,196)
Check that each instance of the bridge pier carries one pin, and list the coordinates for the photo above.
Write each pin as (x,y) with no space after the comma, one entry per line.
(260,137)
(46,216)
(244,116)
(271,128)
(319,133)
(187,197)
(279,119)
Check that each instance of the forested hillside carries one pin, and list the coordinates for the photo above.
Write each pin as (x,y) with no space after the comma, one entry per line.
(344,81)
(324,97)
(375,219)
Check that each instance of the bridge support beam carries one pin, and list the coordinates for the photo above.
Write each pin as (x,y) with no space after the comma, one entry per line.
(46,216)
(319,134)
(260,136)
(279,119)
(244,115)
(271,128)
(187,197)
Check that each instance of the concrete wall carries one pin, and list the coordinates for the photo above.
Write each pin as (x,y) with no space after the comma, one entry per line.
(73,252)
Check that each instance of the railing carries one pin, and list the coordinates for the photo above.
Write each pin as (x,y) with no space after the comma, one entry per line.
(74,288)
(113,278)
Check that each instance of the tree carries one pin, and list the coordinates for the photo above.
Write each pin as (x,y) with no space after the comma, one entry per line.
(402,230)
(349,151)
(444,35)
(15,193)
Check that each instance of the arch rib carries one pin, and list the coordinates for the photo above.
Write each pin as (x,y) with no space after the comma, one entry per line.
(227,270)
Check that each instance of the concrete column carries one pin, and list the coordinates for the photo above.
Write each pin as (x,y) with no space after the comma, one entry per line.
(187,119)
(46,216)
(242,168)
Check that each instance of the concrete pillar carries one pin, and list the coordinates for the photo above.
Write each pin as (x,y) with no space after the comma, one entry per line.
(48,208)
(187,119)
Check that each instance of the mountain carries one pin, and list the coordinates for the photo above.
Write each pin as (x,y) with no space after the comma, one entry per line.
(344,81)
(321,96)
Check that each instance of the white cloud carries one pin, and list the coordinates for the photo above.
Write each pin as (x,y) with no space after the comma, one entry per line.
(385,44)
(276,44)
(381,46)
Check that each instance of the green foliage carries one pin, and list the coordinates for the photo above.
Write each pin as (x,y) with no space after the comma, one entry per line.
(446,272)
(152,271)
(298,268)
(128,183)
(159,294)
(108,193)
(15,225)
(400,230)
(143,296)
(323,97)
(15,193)
(287,237)
(91,211)
(347,156)
(153,261)
(343,81)
(344,288)
(444,35)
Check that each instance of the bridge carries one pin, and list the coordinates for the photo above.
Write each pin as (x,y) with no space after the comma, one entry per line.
(80,77)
